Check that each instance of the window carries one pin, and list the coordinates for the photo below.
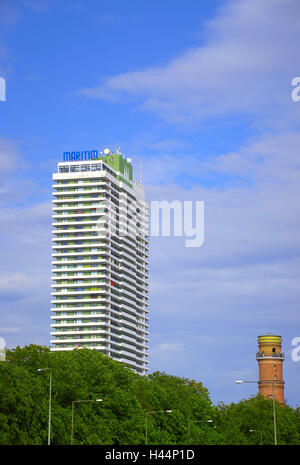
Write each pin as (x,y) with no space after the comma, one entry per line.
(63,169)
(275,367)
(96,167)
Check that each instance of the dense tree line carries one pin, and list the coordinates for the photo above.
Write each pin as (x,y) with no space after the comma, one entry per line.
(126,397)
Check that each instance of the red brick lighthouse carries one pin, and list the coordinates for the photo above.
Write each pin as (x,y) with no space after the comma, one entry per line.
(270,360)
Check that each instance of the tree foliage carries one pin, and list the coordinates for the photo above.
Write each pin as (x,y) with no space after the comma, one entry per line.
(120,418)
(235,421)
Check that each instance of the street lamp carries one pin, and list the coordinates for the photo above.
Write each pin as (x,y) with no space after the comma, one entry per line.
(196,421)
(76,402)
(146,423)
(273,397)
(50,395)
(255,430)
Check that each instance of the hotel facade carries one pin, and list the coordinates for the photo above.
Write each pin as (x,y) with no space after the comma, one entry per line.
(100,258)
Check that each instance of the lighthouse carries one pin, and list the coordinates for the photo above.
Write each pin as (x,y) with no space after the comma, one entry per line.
(270,360)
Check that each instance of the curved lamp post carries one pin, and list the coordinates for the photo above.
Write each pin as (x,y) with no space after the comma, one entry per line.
(146,421)
(73,404)
(273,397)
(196,421)
(256,431)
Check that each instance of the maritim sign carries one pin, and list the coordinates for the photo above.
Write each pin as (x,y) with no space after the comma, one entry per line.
(77,156)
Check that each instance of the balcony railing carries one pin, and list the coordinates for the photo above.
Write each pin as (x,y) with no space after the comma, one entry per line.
(275,355)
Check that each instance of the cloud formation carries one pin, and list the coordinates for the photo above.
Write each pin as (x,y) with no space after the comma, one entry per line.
(244,280)
(8,157)
(244,67)
(25,253)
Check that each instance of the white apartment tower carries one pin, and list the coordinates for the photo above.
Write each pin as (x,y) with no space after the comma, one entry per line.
(100,258)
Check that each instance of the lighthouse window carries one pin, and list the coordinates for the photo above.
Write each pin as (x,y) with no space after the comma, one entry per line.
(275,367)
(275,378)
(273,350)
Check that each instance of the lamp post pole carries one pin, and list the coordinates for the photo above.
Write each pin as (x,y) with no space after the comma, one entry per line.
(146,421)
(72,422)
(252,430)
(196,421)
(273,396)
(274,415)
(50,402)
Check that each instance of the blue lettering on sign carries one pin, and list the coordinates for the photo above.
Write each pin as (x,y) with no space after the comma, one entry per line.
(79,156)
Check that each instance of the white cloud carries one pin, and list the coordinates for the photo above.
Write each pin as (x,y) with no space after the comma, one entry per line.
(169,353)
(9,12)
(38,5)
(8,157)
(9,330)
(171,347)
(20,284)
(244,67)
(108,18)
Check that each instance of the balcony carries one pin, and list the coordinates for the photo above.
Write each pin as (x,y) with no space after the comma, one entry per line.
(260,355)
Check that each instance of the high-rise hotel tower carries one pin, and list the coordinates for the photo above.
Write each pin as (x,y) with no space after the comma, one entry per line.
(100,258)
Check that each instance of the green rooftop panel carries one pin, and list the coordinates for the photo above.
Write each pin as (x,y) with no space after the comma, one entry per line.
(118,163)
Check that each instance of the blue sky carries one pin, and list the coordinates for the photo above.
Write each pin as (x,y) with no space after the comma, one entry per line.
(200,94)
